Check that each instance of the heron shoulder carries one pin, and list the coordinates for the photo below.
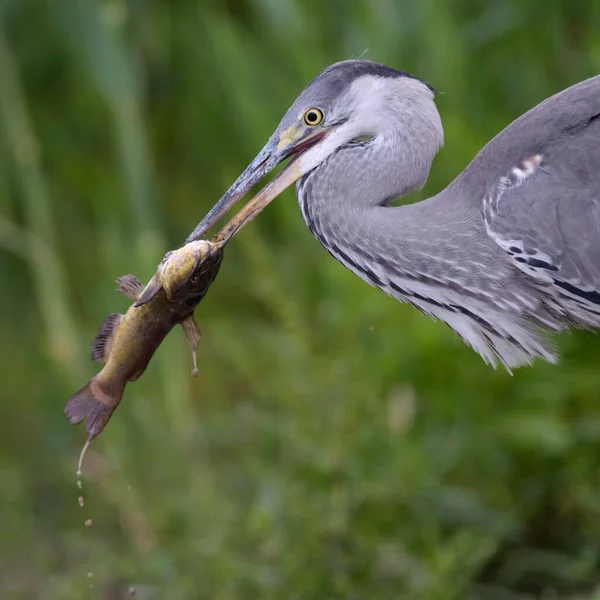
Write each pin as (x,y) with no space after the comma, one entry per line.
(565,115)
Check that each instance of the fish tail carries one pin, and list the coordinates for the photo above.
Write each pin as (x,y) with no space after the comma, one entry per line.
(93,405)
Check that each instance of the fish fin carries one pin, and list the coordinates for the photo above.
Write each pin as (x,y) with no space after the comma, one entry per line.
(152,288)
(93,405)
(101,344)
(130,286)
(193,336)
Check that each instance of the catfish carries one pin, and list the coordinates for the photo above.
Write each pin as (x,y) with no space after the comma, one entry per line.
(126,343)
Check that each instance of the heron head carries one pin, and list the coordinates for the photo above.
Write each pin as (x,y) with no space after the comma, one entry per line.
(348,101)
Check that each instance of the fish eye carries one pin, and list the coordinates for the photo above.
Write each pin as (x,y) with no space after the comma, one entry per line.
(313,116)
(194,279)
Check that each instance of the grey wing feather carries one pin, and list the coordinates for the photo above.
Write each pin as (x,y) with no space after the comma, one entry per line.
(545,212)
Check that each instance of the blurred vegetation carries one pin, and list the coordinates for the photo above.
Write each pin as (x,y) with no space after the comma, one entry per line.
(337,443)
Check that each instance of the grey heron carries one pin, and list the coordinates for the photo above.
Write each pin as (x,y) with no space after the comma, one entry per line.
(507,253)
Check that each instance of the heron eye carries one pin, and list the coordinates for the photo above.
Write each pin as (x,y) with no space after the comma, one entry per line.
(313,116)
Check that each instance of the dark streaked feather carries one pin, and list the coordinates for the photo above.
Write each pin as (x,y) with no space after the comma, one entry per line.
(340,75)
(553,217)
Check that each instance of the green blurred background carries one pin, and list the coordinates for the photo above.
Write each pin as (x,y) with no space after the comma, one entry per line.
(337,444)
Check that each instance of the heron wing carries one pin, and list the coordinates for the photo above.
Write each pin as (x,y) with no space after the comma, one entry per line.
(545,212)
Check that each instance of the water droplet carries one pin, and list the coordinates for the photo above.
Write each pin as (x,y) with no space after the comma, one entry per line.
(80,500)
(90,575)
(88,523)
(131,591)
(78,474)
(195,373)
(79,484)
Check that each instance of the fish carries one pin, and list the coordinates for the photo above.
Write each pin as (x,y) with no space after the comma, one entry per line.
(126,343)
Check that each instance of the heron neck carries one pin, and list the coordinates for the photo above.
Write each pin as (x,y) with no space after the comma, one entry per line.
(344,203)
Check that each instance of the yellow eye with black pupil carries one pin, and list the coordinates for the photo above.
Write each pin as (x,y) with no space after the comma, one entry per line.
(313,116)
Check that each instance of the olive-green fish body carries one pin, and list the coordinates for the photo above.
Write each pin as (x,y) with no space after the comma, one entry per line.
(126,343)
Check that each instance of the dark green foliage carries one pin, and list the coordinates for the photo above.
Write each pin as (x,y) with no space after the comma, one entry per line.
(337,444)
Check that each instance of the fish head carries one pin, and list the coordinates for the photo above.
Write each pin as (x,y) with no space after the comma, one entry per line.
(184,273)
(192,270)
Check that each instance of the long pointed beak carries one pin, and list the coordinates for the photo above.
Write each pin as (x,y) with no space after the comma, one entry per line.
(268,158)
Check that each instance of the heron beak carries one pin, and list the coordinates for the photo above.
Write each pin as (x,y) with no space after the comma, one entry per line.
(291,142)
